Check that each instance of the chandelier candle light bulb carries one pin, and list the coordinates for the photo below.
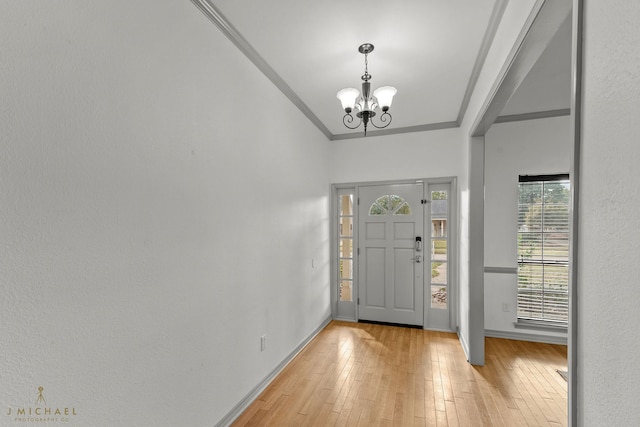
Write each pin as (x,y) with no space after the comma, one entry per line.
(384,95)
(366,104)
(348,98)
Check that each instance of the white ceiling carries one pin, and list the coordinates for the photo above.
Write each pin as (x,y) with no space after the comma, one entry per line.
(427,49)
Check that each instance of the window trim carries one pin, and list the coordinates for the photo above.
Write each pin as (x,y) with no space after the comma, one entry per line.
(541,325)
(535,323)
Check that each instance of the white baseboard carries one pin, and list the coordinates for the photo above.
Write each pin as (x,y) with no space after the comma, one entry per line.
(463,343)
(345,319)
(253,394)
(520,336)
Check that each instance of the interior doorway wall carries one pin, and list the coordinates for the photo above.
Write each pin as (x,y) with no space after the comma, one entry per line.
(534,38)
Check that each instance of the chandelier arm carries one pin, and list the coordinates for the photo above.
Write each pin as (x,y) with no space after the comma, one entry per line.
(384,118)
(347,119)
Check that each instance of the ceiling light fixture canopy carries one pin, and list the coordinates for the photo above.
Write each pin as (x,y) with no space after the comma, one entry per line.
(366,105)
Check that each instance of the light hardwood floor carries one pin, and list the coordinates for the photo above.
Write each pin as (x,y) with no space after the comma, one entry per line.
(357,374)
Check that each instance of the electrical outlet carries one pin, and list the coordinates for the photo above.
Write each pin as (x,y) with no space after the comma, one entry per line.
(263,343)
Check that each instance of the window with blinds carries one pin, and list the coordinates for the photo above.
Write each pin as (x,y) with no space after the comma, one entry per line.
(543,249)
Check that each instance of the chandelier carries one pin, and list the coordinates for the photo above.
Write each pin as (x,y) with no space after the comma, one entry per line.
(366,105)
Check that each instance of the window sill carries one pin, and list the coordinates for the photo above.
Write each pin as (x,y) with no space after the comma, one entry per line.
(541,326)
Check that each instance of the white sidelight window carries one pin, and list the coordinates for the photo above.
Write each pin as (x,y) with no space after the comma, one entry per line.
(345,245)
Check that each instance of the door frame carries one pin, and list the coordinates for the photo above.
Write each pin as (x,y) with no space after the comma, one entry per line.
(348,310)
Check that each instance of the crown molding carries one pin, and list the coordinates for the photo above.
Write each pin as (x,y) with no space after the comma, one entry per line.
(492,28)
(394,131)
(533,116)
(210,11)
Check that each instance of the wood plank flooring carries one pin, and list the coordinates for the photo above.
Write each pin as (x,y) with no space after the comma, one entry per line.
(357,374)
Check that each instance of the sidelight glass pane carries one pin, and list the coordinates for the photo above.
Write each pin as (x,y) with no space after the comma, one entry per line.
(346,248)
(439,273)
(346,226)
(439,249)
(439,227)
(346,269)
(346,204)
(439,297)
(439,195)
(439,213)
(345,290)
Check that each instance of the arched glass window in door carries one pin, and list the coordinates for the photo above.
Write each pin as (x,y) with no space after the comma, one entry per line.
(390,205)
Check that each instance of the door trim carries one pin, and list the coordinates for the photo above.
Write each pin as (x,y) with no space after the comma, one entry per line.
(454,236)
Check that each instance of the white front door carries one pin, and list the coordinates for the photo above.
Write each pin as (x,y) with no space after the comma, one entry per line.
(391,265)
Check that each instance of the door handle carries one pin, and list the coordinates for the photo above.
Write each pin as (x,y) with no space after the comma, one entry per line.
(417,258)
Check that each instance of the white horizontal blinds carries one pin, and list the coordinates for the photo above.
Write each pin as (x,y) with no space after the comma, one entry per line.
(543,248)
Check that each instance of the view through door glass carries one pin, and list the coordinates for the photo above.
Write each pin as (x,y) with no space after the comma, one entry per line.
(438,313)
(345,247)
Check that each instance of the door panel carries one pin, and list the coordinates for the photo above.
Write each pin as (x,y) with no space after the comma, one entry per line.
(375,231)
(391,282)
(404,296)
(404,231)
(374,260)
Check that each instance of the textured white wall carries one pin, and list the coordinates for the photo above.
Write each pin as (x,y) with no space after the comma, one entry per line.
(608,291)
(403,156)
(161,204)
(529,147)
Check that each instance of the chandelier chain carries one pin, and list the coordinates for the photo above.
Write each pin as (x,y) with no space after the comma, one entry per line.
(366,77)
(366,63)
